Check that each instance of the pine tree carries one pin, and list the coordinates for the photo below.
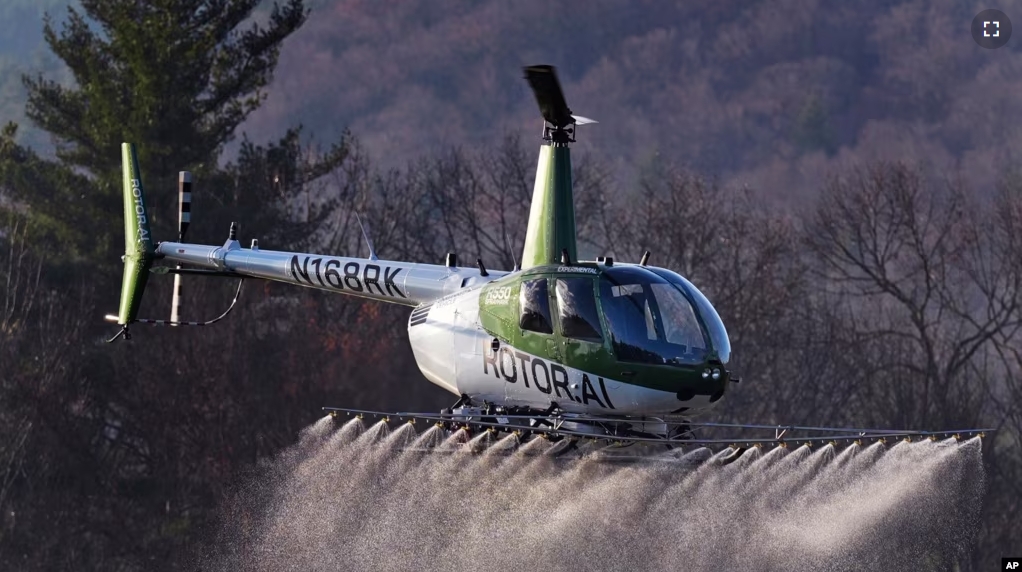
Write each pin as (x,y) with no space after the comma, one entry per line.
(176,77)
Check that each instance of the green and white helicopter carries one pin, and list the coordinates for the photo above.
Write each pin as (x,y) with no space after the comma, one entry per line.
(559,346)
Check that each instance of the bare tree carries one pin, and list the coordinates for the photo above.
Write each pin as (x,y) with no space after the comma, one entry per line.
(746,260)
(921,289)
(40,332)
(1003,364)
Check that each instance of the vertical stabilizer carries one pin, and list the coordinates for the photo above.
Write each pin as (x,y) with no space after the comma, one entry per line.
(138,242)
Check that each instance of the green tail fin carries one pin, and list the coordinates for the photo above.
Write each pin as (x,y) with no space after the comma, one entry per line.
(139,250)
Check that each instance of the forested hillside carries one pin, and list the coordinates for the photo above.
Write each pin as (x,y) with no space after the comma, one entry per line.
(769,94)
(772,94)
(888,292)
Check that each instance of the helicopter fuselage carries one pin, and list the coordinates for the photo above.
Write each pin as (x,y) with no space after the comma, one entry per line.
(586,338)
(590,337)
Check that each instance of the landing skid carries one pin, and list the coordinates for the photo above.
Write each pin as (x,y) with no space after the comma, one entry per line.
(622,431)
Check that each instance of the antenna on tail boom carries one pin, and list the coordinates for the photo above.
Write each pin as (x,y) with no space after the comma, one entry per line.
(511,251)
(365,235)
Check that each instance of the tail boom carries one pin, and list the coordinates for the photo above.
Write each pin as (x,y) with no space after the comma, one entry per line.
(405,283)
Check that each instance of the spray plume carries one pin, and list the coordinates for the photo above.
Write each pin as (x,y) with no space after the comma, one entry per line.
(363,497)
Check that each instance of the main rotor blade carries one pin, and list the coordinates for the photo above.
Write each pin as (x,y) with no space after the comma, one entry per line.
(544,84)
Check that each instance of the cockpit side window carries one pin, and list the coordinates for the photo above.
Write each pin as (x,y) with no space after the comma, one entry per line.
(535,306)
(576,309)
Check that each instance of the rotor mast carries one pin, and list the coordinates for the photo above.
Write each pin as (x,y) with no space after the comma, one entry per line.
(551,227)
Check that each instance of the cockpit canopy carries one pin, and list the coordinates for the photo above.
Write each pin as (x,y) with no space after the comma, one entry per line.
(651,315)
(654,319)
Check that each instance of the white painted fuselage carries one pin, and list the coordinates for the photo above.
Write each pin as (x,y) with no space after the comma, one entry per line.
(454,351)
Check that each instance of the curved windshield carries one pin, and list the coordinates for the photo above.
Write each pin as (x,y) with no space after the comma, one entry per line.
(718,334)
(649,319)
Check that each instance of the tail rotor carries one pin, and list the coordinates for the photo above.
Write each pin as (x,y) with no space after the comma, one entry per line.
(184,218)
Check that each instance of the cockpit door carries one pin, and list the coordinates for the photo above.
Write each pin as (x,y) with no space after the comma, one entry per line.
(580,335)
(534,339)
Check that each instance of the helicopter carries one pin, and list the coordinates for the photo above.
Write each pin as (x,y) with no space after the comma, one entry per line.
(557,346)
